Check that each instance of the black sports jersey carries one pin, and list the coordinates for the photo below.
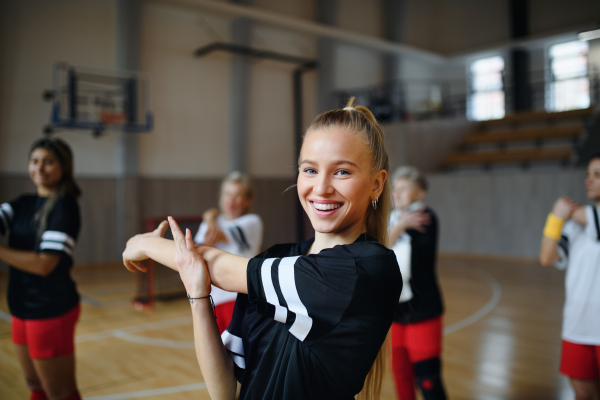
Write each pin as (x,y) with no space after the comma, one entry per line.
(311,326)
(32,296)
(426,302)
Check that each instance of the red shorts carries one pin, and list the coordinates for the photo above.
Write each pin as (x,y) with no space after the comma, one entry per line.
(47,337)
(224,312)
(421,340)
(580,361)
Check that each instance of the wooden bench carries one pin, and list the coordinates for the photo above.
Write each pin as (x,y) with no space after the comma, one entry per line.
(523,135)
(537,116)
(518,156)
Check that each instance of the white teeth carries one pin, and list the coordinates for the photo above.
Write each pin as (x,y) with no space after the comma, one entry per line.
(326,207)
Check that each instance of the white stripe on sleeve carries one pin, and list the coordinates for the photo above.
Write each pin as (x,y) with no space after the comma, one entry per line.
(6,214)
(3,220)
(235,346)
(269,288)
(287,282)
(56,236)
(7,208)
(55,246)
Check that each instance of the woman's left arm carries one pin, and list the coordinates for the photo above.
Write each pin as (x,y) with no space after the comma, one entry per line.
(41,264)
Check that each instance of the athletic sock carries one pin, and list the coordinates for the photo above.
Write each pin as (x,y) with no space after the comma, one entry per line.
(38,395)
(429,379)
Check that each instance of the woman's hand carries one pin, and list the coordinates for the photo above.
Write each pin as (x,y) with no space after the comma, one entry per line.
(564,208)
(191,265)
(214,235)
(415,220)
(135,252)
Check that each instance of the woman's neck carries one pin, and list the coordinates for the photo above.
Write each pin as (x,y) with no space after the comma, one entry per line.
(44,191)
(329,240)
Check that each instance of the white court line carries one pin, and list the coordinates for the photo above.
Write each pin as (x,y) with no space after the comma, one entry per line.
(151,392)
(176,344)
(150,326)
(5,316)
(483,311)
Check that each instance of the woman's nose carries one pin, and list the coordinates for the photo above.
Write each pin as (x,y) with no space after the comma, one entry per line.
(323,186)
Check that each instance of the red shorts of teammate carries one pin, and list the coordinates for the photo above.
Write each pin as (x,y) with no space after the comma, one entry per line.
(412,343)
(580,361)
(224,312)
(47,337)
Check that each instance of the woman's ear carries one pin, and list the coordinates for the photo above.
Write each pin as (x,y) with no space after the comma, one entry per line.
(380,179)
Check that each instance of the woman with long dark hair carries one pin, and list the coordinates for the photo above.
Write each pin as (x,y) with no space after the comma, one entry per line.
(310,319)
(42,230)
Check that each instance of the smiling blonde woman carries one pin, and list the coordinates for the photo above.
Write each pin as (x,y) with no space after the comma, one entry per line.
(311,318)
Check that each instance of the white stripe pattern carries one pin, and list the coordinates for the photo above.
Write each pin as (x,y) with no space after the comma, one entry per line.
(7,208)
(270,293)
(55,246)
(56,236)
(235,345)
(287,283)
(6,214)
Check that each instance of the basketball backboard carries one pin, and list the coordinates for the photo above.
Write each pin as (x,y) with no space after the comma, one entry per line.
(98,100)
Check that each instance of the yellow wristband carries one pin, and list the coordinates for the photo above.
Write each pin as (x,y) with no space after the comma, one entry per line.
(553,228)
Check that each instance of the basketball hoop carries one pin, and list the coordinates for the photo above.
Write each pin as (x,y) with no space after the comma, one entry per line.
(112,118)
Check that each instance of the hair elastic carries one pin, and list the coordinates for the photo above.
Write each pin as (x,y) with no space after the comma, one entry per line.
(212,303)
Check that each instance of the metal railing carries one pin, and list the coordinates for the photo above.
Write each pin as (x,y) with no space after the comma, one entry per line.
(425,99)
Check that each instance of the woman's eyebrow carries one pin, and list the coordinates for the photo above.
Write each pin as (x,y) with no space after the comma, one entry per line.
(338,162)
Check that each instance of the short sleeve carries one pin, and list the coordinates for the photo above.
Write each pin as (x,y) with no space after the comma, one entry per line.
(201,234)
(62,228)
(246,233)
(7,215)
(592,228)
(309,294)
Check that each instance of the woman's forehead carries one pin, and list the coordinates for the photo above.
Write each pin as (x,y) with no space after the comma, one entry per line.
(42,152)
(333,143)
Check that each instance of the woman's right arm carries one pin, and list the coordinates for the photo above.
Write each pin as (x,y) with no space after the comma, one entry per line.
(562,210)
(227,271)
(409,220)
(215,362)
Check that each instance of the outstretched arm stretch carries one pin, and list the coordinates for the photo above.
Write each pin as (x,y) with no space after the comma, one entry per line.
(198,267)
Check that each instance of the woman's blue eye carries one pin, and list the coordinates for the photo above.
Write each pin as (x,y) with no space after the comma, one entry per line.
(343,172)
(310,171)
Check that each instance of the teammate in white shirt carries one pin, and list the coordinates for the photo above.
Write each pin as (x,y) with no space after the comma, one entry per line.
(572,240)
(234,230)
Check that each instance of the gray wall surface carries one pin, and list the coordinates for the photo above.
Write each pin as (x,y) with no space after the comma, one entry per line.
(499,213)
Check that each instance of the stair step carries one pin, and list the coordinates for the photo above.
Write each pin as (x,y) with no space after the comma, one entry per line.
(537,116)
(553,154)
(522,135)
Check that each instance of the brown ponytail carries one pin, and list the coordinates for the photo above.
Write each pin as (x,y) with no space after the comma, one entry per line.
(360,120)
(67,185)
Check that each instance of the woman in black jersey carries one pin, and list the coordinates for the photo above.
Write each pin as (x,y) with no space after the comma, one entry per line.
(417,329)
(311,319)
(42,229)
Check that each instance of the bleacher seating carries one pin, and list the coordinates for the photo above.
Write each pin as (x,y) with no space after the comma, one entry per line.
(522,138)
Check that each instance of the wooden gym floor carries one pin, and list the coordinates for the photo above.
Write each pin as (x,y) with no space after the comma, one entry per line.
(502,337)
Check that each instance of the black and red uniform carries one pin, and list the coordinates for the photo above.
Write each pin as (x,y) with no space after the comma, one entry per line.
(42,298)
(417,329)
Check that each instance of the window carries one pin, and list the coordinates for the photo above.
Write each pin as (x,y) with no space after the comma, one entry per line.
(487,89)
(569,86)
